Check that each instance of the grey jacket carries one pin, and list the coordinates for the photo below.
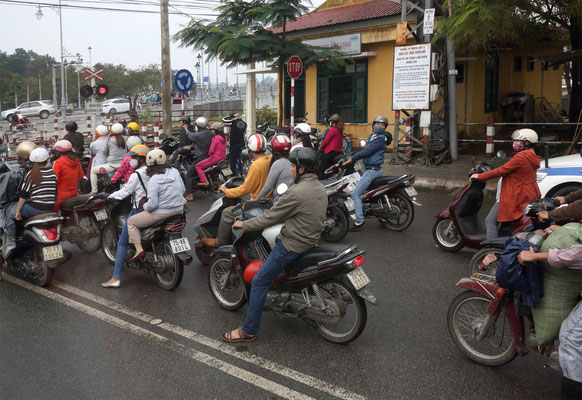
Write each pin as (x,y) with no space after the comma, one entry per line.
(570,350)
(279,173)
(165,193)
(302,208)
(113,152)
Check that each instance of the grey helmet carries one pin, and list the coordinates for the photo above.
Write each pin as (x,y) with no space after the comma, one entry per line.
(201,122)
(380,119)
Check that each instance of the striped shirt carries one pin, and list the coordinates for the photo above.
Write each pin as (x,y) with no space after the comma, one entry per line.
(43,196)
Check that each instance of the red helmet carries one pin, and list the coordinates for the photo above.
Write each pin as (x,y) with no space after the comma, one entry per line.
(252,269)
(281,144)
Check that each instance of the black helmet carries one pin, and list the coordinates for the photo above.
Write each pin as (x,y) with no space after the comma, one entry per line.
(381,119)
(71,126)
(186,119)
(305,157)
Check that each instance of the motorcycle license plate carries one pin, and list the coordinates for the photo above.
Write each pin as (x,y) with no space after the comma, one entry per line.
(411,191)
(100,215)
(350,204)
(180,245)
(226,172)
(358,278)
(52,252)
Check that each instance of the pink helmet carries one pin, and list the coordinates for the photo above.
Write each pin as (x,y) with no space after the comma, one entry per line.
(63,146)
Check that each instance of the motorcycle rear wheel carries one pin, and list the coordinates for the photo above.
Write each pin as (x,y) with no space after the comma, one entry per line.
(405,217)
(446,236)
(43,275)
(466,314)
(478,259)
(350,304)
(109,244)
(172,278)
(341,224)
(93,244)
(205,255)
(232,296)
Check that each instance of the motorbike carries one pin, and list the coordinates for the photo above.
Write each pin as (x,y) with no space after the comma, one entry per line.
(20,123)
(69,111)
(37,251)
(4,152)
(340,209)
(83,218)
(164,243)
(326,286)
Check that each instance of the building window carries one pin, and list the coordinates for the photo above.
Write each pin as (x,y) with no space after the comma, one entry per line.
(343,91)
(491,83)
(556,66)
(544,66)
(299,96)
(517,60)
(460,78)
(530,63)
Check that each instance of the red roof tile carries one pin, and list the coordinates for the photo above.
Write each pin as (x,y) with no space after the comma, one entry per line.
(340,15)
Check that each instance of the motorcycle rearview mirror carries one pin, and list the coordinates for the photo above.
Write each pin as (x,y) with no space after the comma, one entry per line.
(501,154)
(362,143)
(282,188)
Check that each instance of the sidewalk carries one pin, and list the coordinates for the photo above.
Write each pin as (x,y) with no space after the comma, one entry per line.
(446,178)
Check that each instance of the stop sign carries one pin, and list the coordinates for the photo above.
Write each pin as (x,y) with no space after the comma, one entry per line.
(294,67)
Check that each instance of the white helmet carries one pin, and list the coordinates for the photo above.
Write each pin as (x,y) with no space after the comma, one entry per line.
(201,122)
(101,130)
(156,157)
(257,143)
(39,155)
(132,141)
(302,129)
(525,134)
(117,129)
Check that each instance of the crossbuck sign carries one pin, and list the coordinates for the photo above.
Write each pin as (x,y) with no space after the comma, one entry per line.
(93,74)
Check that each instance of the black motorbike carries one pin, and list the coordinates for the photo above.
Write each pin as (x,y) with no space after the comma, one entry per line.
(164,243)
(326,286)
(83,218)
(340,209)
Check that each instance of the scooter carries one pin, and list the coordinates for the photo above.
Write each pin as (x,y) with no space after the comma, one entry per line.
(164,243)
(340,209)
(83,217)
(326,286)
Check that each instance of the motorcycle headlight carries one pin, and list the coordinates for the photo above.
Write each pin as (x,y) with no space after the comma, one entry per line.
(540,176)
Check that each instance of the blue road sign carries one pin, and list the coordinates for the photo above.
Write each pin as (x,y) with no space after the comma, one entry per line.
(183,80)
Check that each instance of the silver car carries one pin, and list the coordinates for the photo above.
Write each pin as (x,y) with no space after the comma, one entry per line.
(41,108)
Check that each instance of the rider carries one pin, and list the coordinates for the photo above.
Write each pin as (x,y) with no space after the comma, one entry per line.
(133,130)
(68,171)
(252,185)
(96,147)
(114,150)
(216,153)
(280,167)
(572,211)
(186,130)
(123,123)
(76,138)
(125,170)
(332,145)
(373,156)
(202,142)
(303,134)
(302,209)
(238,129)
(136,188)
(38,191)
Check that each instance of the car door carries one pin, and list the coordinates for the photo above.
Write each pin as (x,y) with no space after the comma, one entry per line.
(34,108)
(124,105)
(24,109)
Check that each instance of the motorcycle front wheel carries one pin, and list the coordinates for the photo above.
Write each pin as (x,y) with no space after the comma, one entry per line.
(446,236)
(336,224)
(405,216)
(172,277)
(479,257)
(466,314)
(225,284)
(94,243)
(109,244)
(354,313)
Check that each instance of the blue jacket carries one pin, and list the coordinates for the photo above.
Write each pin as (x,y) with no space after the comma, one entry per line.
(373,153)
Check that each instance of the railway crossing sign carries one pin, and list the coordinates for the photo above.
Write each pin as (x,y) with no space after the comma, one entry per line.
(93,74)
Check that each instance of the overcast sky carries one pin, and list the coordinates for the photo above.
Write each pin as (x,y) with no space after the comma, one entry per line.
(128,38)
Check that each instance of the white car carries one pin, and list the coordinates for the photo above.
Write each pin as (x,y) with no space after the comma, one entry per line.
(115,106)
(41,108)
(563,175)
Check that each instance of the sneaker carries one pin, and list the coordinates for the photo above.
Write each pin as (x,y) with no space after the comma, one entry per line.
(357,224)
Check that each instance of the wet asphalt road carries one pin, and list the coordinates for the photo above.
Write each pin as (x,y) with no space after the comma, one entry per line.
(80,341)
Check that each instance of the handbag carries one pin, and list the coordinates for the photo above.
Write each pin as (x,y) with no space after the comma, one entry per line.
(144,199)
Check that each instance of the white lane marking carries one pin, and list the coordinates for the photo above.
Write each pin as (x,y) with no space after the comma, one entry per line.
(199,356)
(217,345)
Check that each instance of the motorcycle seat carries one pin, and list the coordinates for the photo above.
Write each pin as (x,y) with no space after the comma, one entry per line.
(212,168)
(73,202)
(316,254)
(169,220)
(386,180)
(45,217)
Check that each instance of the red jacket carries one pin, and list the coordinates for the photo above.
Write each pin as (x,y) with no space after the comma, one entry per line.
(334,141)
(519,186)
(68,173)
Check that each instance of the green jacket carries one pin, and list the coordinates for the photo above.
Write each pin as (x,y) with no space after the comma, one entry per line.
(302,208)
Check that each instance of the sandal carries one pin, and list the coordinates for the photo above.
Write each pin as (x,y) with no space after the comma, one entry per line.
(242,336)
(487,260)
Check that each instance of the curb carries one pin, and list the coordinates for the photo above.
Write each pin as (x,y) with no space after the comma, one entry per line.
(450,185)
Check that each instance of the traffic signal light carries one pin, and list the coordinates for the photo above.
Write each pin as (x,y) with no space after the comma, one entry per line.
(86,91)
(102,89)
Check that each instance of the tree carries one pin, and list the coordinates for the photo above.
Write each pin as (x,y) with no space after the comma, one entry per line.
(488,25)
(239,36)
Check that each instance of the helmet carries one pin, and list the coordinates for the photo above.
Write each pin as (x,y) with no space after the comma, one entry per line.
(132,141)
(24,149)
(257,143)
(380,119)
(281,144)
(117,129)
(217,126)
(526,134)
(156,157)
(139,150)
(71,126)
(133,127)
(252,269)
(122,121)
(201,122)
(101,130)
(305,157)
(39,155)
(63,146)
(186,119)
(335,118)
(302,129)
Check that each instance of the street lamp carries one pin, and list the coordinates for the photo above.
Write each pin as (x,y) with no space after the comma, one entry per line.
(90,65)
(197,66)
(201,61)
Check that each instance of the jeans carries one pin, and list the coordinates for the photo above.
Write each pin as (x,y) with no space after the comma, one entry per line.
(363,184)
(122,248)
(273,266)
(234,156)
(28,211)
(491,222)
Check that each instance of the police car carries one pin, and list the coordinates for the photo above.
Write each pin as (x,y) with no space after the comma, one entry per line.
(562,175)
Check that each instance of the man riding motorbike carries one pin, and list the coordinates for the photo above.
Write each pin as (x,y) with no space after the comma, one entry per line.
(254,182)
(373,156)
(76,138)
(202,142)
(302,208)
(186,130)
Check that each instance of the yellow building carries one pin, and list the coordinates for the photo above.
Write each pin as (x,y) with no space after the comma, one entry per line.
(366,30)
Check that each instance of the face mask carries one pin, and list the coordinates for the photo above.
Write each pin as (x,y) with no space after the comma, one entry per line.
(518,146)
(378,129)
(133,163)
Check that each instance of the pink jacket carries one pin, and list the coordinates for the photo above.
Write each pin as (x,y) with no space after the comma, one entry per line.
(217,148)
(124,171)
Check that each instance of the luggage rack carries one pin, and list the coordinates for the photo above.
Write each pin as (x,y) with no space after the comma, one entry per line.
(479,277)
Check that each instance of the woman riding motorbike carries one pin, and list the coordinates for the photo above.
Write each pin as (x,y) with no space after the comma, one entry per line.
(280,168)
(125,170)
(332,144)
(216,154)
(97,146)
(68,171)
(38,192)
(114,150)
(76,138)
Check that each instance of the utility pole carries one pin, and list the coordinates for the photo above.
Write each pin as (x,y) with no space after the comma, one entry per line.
(39,89)
(27,91)
(452,96)
(55,96)
(166,70)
